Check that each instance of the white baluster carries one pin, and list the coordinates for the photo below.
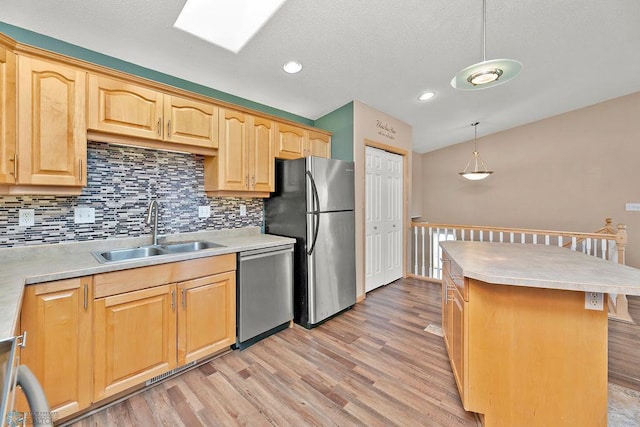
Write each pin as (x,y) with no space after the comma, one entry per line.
(522,239)
(546,239)
(491,235)
(603,254)
(574,243)
(471,232)
(501,237)
(560,241)
(535,239)
(423,258)
(511,237)
(588,246)
(482,235)
(430,251)
(415,250)
(462,232)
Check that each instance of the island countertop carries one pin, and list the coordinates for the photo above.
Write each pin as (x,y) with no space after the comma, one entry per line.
(541,266)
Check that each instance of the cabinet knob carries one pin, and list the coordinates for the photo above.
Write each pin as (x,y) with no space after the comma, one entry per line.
(159,126)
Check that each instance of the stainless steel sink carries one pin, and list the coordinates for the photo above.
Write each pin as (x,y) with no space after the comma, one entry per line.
(154,250)
(199,245)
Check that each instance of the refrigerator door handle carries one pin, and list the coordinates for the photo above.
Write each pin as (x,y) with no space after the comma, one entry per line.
(315,212)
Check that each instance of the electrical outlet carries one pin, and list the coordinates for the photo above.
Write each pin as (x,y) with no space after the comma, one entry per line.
(26,217)
(84,215)
(243,210)
(204,211)
(594,300)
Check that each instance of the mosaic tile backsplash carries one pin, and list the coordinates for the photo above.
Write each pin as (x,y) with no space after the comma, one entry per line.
(121,183)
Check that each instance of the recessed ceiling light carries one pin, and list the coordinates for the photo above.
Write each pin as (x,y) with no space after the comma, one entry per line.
(426,96)
(292,67)
(228,24)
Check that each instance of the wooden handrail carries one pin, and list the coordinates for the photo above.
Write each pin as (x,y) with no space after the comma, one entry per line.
(577,234)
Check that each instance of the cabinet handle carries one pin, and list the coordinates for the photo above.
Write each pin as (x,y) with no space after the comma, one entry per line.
(22,340)
(80,175)
(247,178)
(253,182)
(169,129)
(184,298)
(15,166)
(86,296)
(159,127)
(173,300)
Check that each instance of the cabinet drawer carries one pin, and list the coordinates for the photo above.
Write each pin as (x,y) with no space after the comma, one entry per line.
(117,282)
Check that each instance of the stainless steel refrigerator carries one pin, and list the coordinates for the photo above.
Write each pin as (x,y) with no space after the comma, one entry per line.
(313,202)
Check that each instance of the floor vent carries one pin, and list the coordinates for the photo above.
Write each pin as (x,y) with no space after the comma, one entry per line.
(434,329)
(168,374)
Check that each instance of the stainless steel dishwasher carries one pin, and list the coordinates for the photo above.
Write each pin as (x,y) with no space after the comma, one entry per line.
(264,294)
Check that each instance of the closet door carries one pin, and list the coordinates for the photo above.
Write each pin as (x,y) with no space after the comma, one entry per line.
(383,216)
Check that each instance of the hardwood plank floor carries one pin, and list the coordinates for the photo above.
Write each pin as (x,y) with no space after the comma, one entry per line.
(373,365)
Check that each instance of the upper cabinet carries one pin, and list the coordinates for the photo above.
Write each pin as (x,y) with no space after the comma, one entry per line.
(244,164)
(52,136)
(293,142)
(122,109)
(8,169)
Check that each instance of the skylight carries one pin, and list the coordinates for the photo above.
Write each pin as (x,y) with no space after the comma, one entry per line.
(227,23)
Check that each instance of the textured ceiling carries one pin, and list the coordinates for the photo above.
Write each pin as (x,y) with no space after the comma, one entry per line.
(383,53)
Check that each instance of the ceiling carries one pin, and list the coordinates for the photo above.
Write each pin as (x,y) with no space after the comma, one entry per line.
(382,53)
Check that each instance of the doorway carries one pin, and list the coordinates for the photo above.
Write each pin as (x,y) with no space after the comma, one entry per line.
(383,216)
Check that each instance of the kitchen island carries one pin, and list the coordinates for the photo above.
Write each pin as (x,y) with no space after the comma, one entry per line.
(524,348)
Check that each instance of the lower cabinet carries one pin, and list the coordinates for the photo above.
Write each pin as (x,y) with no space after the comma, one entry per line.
(206,316)
(135,338)
(93,337)
(58,317)
(453,323)
(142,333)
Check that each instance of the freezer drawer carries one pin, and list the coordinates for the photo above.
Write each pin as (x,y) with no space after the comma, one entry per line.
(265,291)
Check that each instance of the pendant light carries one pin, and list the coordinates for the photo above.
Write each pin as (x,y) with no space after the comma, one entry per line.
(477,173)
(486,74)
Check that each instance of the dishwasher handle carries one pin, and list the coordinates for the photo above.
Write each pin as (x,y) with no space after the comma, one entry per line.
(265,254)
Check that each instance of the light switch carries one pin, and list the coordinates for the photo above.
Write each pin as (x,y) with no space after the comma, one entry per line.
(243,210)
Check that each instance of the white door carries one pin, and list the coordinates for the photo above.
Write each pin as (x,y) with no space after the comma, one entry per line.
(383,236)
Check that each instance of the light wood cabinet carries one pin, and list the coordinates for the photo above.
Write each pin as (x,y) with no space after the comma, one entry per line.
(121,109)
(135,338)
(57,317)
(7,116)
(516,351)
(150,320)
(206,316)
(245,162)
(293,142)
(52,145)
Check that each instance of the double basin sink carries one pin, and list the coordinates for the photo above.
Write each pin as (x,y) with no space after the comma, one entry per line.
(154,250)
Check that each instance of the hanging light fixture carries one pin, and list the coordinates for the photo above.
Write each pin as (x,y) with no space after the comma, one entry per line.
(477,173)
(486,74)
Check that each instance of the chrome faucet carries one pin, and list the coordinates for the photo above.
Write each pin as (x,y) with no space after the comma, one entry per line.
(152,210)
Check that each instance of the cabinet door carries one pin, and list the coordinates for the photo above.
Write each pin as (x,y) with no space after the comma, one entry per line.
(135,338)
(290,142)
(190,122)
(206,316)
(261,155)
(457,341)
(319,144)
(7,116)
(232,154)
(124,109)
(57,318)
(52,136)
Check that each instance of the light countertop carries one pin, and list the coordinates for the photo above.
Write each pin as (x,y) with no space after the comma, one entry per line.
(541,266)
(27,265)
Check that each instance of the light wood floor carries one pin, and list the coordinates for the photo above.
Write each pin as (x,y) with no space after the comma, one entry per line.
(373,365)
